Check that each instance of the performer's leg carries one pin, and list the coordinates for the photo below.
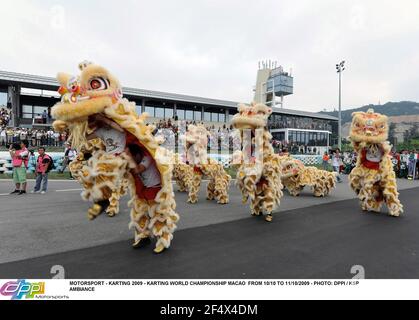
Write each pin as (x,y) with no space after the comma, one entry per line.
(369,195)
(194,187)
(268,203)
(355,179)
(272,191)
(163,220)
(181,185)
(113,207)
(295,190)
(256,206)
(211,189)
(391,195)
(221,188)
(139,221)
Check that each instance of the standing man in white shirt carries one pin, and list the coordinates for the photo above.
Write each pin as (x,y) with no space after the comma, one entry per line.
(3,137)
(336,161)
(69,155)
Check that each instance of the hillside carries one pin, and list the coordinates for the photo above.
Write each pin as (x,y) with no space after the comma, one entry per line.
(391,109)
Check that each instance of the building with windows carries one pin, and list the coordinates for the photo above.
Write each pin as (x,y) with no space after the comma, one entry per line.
(29,96)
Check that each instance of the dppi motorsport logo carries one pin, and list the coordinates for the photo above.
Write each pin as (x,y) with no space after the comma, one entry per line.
(22,289)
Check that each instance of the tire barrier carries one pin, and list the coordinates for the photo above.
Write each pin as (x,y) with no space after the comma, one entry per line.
(6,166)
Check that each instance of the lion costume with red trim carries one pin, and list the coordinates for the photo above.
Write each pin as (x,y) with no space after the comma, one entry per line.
(295,176)
(107,176)
(259,168)
(373,179)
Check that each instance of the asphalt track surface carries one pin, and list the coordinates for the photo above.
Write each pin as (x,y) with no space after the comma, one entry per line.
(309,238)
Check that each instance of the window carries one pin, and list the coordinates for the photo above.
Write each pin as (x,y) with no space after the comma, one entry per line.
(168,113)
(214,117)
(159,112)
(39,110)
(198,115)
(189,115)
(150,111)
(180,114)
(26,109)
(222,117)
(3,99)
(207,116)
(138,109)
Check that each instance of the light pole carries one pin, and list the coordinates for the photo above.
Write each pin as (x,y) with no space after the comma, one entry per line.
(340,67)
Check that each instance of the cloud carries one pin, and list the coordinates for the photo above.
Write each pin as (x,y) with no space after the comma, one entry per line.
(211,48)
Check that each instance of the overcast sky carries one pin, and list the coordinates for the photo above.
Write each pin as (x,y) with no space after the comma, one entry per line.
(212,48)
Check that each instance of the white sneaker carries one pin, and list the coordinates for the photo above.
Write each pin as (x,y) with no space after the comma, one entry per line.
(33,191)
(43,192)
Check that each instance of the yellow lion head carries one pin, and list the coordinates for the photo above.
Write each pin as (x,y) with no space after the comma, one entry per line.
(253,116)
(86,94)
(369,127)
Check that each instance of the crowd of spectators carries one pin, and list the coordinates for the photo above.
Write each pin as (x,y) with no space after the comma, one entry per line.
(221,137)
(288,121)
(4,117)
(35,137)
(406,164)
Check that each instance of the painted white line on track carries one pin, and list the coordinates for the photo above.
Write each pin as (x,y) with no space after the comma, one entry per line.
(67,190)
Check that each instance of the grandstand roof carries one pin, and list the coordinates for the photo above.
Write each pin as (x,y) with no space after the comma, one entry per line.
(49,83)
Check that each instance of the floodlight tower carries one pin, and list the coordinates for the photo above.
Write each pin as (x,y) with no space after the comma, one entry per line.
(340,67)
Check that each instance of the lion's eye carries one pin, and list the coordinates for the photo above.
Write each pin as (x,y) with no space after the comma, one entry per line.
(98,84)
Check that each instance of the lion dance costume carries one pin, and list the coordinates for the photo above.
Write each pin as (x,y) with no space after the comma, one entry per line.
(295,176)
(189,176)
(259,168)
(373,179)
(105,176)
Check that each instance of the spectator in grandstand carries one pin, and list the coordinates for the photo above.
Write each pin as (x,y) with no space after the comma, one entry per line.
(23,134)
(3,136)
(20,159)
(50,137)
(33,138)
(4,117)
(56,137)
(43,165)
(39,135)
(16,135)
(9,134)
